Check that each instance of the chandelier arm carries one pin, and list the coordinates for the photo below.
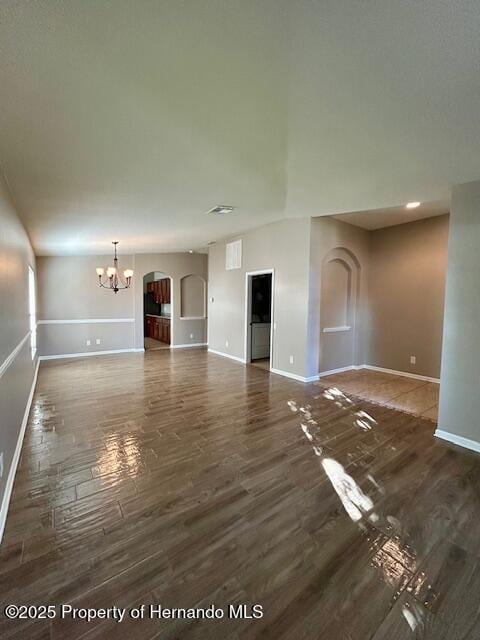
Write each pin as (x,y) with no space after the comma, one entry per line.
(108,286)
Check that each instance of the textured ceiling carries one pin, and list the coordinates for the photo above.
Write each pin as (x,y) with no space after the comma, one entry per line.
(128,119)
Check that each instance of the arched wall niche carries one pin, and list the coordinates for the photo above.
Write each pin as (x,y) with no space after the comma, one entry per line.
(339,295)
(192,296)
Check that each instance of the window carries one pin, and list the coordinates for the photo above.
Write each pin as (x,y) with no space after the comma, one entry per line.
(32,311)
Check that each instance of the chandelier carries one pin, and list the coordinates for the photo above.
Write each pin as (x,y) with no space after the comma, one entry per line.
(111,278)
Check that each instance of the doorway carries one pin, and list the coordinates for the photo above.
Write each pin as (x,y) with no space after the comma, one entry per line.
(259,318)
(157,310)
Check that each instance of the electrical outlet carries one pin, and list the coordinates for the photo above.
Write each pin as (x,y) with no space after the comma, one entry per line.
(1,464)
(97,341)
(291,359)
(191,336)
(413,359)
(89,342)
(226,343)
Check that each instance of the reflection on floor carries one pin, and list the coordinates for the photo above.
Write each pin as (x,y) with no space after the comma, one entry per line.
(150,344)
(182,478)
(264,364)
(407,394)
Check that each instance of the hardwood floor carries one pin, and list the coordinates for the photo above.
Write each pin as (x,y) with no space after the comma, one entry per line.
(419,397)
(264,364)
(182,478)
(151,344)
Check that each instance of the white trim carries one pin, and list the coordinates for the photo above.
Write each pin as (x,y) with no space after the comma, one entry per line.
(87,353)
(336,329)
(248,289)
(87,321)
(340,370)
(294,376)
(193,317)
(279,372)
(138,350)
(187,346)
(226,355)
(16,457)
(458,440)
(8,361)
(405,374)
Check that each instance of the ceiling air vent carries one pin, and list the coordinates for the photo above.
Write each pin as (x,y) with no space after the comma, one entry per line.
(221,209)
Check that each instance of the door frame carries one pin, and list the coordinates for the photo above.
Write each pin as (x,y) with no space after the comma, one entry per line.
(172,307)
(248,313)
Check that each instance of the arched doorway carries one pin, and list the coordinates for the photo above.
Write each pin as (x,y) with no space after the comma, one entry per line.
(157,310)
(339,294)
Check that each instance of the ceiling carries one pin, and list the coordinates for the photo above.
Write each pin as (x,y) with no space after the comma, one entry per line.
(127,120)
(380,218)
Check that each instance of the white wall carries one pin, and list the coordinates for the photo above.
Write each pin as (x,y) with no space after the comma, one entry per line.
(328,234)
(176,266)
(17,371)
(68,290)
(459,411)
(282,246)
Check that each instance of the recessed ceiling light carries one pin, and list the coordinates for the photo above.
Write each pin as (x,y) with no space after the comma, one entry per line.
(413,205)
(220,209)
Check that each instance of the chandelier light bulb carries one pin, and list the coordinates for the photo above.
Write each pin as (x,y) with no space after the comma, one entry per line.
(100,271)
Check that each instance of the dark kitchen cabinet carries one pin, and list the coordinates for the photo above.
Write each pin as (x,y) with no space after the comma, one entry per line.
(161,291)
(158,328)
(156,291)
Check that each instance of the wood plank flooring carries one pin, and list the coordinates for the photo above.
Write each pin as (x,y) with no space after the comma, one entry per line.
(182,478)
(418,397)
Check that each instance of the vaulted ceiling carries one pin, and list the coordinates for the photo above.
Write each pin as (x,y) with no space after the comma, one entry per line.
(128,119)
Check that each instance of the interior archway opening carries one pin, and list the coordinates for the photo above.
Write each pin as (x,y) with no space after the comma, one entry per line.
(157,310)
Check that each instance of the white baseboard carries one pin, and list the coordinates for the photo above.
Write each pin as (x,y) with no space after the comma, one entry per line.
(405,374)
(458,440)
(16,456)
(294,376)
(286,374)
(139,350)
(189,346)
(227,355)
(88,353)
(332,372)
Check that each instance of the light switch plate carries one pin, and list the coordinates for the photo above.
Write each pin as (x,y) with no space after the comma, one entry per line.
(413,359)
(89,343)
